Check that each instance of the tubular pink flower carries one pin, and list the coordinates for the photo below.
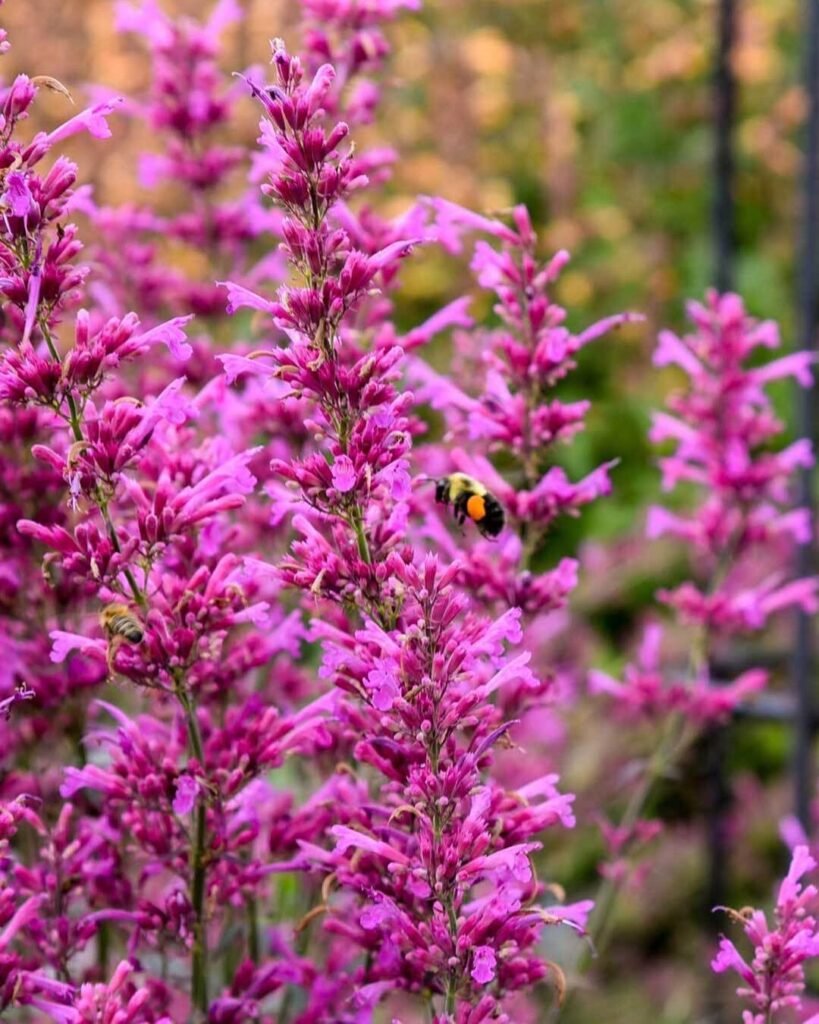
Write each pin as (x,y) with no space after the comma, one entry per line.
(671,351)
(512,861)
(18,194)
(32,302)
(187,790)
(452,221)
(64,643)
(240,297)
(483,964)
(93,120)
(347,837)
(19,919)
(343,473)
(797,365)
(169,334)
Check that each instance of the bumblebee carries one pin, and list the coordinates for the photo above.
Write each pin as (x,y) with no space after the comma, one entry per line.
(471,500)
(120,624)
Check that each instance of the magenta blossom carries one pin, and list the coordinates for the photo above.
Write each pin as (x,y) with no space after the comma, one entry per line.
(774,979)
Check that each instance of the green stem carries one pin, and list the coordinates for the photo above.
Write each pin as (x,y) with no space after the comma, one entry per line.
(668,749)
(361,537)
(252,930)
(199,963)
(199,959)
(671,744)
(73,412)
(102,948)
(449,1008)
(137,592)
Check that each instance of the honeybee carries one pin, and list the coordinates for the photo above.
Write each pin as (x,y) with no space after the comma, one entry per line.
(120,624)
(471,500)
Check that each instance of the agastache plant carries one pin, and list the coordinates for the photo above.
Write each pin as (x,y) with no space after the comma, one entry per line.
(739,534)
(502,407)
(279,739)
(432,877)
(722,427)
(511,406)
(40,279)
(145,527)
(772,981)
(188,103)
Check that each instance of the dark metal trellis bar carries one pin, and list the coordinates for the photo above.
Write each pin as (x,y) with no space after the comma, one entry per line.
(724,100)
(717,791)
(807,319)
(797,710)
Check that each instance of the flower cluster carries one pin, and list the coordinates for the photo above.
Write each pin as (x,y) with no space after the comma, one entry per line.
(774,979)
(458,912)
(722,427)
(147,577)
(459,906)
(281,735)
(187,106)
(504,405)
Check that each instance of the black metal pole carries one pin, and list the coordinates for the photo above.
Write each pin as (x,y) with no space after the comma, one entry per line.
(717,791)
(724,100)
(807,310)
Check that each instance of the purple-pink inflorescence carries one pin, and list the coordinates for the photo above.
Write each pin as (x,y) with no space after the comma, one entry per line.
(773,980)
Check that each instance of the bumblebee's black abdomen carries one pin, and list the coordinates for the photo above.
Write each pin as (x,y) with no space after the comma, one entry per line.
(493,519)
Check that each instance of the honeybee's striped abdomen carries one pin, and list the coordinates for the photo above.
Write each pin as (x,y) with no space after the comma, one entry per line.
(119,621)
